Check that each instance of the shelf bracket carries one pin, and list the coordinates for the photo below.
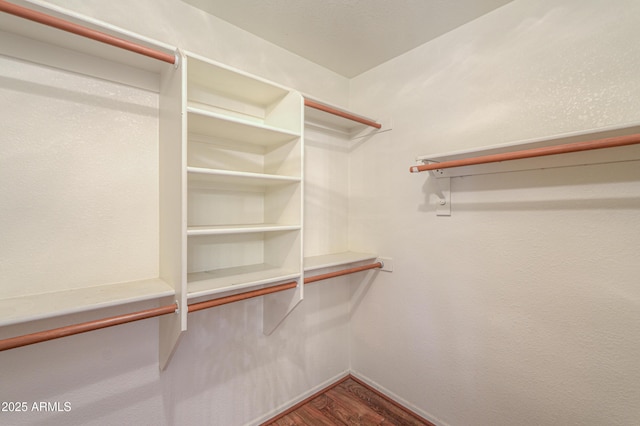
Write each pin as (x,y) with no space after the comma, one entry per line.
(277,306)
(387,264)
(443,207)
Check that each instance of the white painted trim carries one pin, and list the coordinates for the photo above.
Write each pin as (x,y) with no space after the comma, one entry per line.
(398,399)
(328,383)
(287,405)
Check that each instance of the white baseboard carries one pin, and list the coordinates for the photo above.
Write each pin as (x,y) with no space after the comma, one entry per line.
(287,405)
(284,407)
(398,399)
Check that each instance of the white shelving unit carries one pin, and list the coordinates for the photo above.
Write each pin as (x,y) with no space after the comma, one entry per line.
(78,263)
(229,170)
(244,153)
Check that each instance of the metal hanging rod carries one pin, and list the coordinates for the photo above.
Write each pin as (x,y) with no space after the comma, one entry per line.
(194,307)
(80,30)
(83,31)
(70,330)
(531,153)
(328,275)
(340,113)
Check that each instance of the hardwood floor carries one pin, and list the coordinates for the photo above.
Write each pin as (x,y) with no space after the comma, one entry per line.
(348,402)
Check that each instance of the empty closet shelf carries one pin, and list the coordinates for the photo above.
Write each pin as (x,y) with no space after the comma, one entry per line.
(241,277)
(51,304)
(239,229)
(233,177)
(607,145)
(59,29)
(246,91)
(219,126)
(313,263)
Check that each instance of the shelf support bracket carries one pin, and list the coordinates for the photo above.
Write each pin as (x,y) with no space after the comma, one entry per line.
(277,306)
(443,207)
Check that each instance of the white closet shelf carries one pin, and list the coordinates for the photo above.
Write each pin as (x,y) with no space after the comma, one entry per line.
(239,178)
(610,155)
(48,305)
(216,125)
(240,229)
(74,44)
(233,83)
(313,263)
(243,119)
(241,277)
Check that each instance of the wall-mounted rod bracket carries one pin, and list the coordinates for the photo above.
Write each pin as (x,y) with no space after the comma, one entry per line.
(542,151)
(443,206)
(387,264)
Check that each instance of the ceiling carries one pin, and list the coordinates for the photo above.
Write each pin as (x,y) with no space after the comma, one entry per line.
(348,36)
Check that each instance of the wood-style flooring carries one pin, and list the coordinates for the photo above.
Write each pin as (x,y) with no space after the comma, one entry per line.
(349,402)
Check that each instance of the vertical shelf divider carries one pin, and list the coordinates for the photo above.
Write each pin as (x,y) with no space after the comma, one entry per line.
(277,306)
(172,176)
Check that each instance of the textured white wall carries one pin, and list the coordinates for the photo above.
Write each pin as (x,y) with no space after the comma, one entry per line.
(523,307)
(74,188)
(225,371)
(179,24)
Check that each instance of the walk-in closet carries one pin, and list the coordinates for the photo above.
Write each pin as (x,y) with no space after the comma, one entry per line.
(303,212)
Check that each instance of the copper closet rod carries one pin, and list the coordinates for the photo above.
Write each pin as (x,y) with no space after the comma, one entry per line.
(80,30)
(531,153)
(64,25)
(339,113)
(70,330)
(315,278)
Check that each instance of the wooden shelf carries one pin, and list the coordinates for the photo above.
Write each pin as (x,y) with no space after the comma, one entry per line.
(47,305)
(336,259)
(242,277)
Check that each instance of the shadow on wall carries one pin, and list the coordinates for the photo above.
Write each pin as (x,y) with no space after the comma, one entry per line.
(76,97)
(83,370)
(227,362)
(360,288)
